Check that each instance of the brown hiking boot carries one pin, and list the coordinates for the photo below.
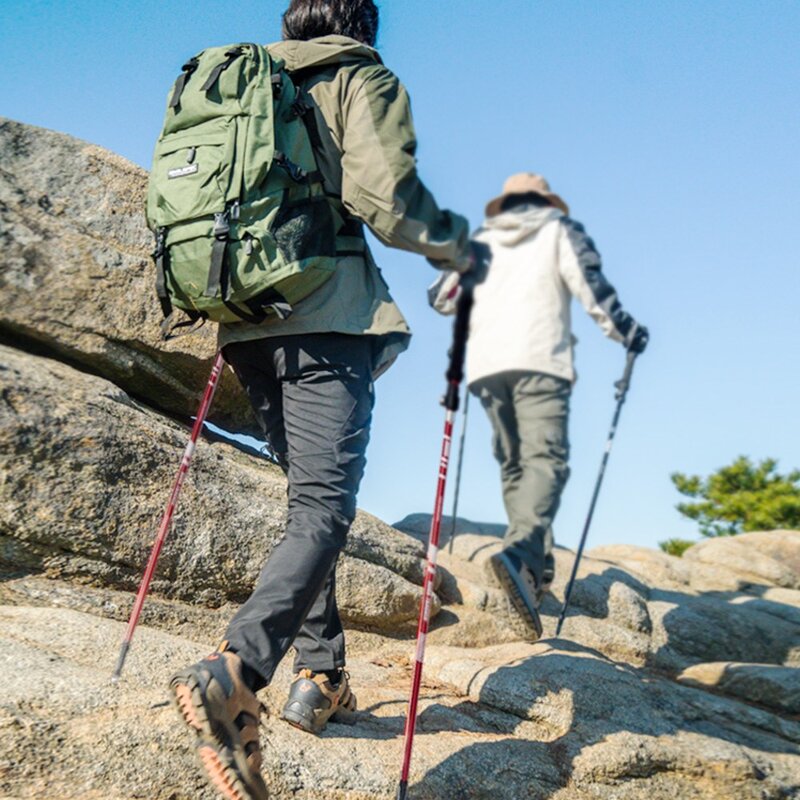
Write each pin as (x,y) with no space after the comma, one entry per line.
(314,699)
(217,705)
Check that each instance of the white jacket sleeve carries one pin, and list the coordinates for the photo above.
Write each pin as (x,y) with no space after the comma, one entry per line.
(581,269)
(444,292)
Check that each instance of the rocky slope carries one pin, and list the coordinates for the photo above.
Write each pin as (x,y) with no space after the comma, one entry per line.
(673,677)
(77,279)
(558,719)
(85,474)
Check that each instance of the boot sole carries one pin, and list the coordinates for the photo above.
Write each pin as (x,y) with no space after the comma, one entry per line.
(508,581)
(217,741)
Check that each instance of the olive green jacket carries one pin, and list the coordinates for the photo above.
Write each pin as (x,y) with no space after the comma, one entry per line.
(366,152)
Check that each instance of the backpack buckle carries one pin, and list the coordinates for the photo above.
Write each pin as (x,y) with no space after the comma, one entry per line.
(299,107)
(161,243)
(295,172)
(221,225)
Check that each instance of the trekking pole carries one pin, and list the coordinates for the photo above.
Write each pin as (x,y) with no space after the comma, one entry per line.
(202,413)
(458,473)
(455,375)
(622,387)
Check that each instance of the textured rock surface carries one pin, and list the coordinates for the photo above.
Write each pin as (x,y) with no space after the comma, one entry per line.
(85,476)
(84,471)
(676,678)
(777,688)
(552,720)
(640,606)
(77,279)
(763,558)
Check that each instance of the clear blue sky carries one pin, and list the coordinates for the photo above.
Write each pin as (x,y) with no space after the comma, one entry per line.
(672,129)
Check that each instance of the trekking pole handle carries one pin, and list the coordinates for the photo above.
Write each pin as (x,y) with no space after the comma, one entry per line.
(624,383)
(458,351)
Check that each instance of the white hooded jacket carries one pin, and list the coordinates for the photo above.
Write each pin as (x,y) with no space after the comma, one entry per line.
(521,318)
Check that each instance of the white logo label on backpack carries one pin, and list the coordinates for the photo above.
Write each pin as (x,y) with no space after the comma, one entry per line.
(182,172)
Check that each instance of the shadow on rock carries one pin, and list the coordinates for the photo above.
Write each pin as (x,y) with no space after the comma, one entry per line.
(684,628)
(591,721)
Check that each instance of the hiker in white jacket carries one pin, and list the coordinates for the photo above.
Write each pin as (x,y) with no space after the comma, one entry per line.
(520,365)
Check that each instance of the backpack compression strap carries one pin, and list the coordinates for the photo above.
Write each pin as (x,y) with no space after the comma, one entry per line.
(160,260)
(232,55)
(188,68)
(168,324)
(221,230)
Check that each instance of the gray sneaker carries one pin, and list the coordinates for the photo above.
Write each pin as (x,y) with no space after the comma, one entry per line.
(519,584)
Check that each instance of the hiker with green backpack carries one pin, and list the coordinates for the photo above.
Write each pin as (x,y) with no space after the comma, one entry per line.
(270,163)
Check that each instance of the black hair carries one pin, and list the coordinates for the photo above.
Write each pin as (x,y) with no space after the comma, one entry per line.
(529,198)
(308,19)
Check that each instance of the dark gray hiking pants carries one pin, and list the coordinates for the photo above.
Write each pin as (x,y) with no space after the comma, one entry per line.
(313,395)
(528,412)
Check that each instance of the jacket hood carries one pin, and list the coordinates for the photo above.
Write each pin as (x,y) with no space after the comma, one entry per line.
(322,52)
(512,227)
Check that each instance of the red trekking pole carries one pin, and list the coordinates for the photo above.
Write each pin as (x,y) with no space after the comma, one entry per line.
(455,375)
(202,413)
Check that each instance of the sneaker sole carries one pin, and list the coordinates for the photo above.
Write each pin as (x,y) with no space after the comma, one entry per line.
(217,742)
(508,581)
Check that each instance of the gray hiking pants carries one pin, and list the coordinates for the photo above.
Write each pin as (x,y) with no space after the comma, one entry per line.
(528,412)
(313,395)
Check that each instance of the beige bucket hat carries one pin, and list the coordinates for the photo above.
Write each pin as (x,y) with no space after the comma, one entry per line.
(523,183)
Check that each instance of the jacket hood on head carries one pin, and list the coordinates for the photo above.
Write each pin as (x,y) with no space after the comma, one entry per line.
(324,51)
(512,227)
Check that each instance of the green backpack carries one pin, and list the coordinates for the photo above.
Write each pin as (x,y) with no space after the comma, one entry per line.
(243,228)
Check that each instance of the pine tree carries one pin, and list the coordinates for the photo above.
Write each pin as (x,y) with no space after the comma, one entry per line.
(742,497)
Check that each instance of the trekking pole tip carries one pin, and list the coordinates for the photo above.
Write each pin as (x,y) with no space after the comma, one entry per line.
(561,617)
(402,790)
(123,654)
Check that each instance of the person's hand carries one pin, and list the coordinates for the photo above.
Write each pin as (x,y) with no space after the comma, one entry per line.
(480,257)
(637,339)
(444,291)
